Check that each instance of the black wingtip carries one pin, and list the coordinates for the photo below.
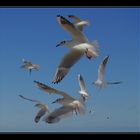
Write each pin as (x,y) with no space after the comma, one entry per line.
(107,56)
(36,81)
(55,82)
(70,16)
(58,16)
(20,95)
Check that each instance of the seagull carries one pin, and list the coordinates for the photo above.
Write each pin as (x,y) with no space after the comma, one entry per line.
(80,47)
(74,29)
(29,66)
(70,27)
(69,104)
(79,24)
(100,82)
(83,90)
(42,111)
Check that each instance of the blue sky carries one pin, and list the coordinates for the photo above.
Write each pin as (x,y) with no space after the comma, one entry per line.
(32,33)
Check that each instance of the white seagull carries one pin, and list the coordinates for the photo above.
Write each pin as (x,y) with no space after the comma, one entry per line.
(29,66)
(80,46)
(100,82)
(69,104)
(83,90)
(79,24)
(42,111)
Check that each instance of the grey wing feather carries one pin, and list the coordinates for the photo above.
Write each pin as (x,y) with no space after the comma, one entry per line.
(50,90)
(66,63)
(101,68)
(68,26)
(119,82)
(41,113)
(29,99)
(81,82)
(59,113)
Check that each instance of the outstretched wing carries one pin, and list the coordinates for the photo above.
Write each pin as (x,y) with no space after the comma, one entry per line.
(101,68)
(68,26)
(52,90)
(58,114)
(81,82)
(66,63)
(111,83)
(36,101)
(41,113)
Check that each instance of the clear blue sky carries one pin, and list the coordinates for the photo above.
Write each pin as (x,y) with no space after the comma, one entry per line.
(32,33)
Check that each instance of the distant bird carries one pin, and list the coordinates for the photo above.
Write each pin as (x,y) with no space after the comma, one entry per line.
(83,90)
(29,66)
(79,46)
(107,117)
(100,82)
(69,104)
(42,111)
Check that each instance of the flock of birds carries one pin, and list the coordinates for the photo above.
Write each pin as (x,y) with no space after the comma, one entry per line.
(79,46)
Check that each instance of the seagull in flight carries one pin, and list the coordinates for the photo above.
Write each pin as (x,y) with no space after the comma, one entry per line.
(69,104)
(29,66)
(100,82)
(79,24)
(79,45)
(83,90)
(42,111)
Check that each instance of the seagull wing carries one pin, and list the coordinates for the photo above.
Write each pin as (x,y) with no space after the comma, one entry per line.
(23,67)
(52,90)
(41,112)
(118,82)
(78,22)
(66,63)
(81,24)
(36,101)
(81,83)
(101,68)
(75,18)
(58,114)
(68,26)
(25,61)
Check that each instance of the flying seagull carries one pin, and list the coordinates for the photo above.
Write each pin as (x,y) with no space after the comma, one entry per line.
(69,104)
(79,24)
(80,47)
(42,111)
(29,66)
(83,90)
(100,82)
